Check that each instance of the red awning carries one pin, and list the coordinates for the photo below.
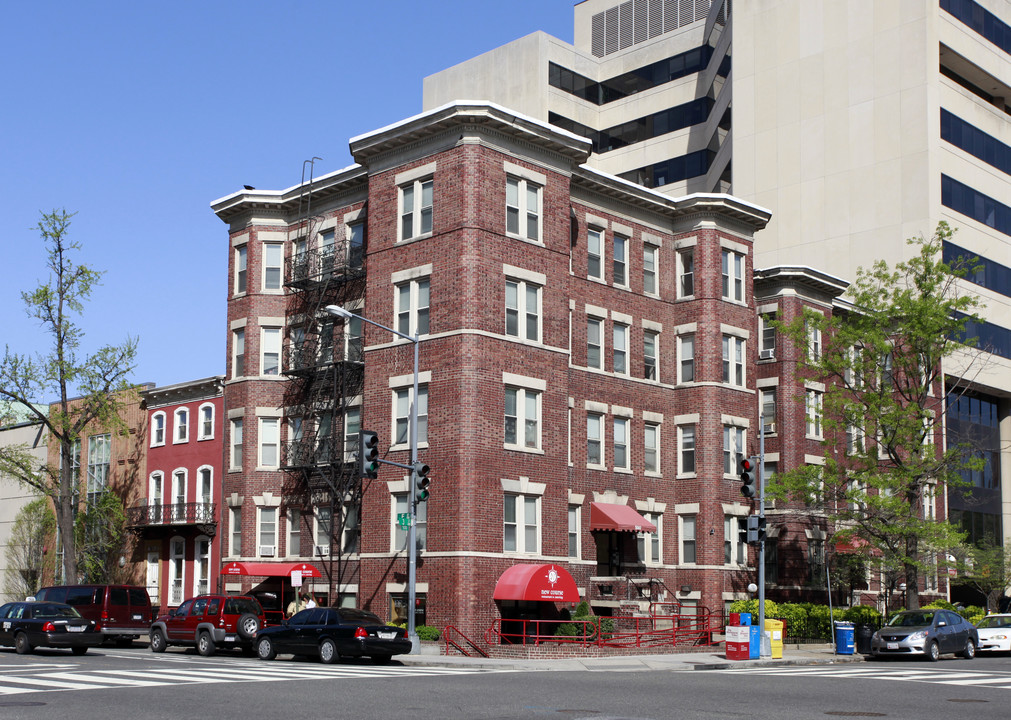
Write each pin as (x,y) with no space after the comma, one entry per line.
(622,518)
(270,569)
(536,582)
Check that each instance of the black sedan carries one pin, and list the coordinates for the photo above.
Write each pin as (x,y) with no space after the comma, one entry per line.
(28,625)
(333,633)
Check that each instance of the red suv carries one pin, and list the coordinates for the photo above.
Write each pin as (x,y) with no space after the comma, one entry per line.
(208,622)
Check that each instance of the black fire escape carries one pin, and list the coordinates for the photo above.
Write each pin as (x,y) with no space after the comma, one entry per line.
(324,363)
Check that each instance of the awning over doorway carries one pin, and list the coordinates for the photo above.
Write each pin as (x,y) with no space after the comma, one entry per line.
(551,583)
(620,518)
(270,569)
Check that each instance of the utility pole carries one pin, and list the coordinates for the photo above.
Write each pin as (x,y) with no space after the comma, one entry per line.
(761,535)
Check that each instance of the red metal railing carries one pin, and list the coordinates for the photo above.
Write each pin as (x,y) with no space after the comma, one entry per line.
(447,635)
(638,632)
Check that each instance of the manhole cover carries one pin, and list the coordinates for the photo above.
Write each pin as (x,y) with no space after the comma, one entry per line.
(854,713)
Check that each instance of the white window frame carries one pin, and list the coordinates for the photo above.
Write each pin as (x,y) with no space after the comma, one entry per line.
(235,531)
(650,544)
(158,423)
(180,425)
(412,220)
(401,399)
(619,261)
(201,565)
(415,318)
(293,532)
(235,444)
(683,539)
(179,490)
(270,345)
(268,435)
(205,417)
(735,448)
(519,308)
(523,397)
(650,256)
(241,286)
(620,429)
(734,361)
(238,352)
(574,516)
(733,269)
(651,447)
(769,427)
(595,254)
(684,435)
(521,505)
(619,349)
(398,536)
(766,337)
(199,496)
(814,412)
(651,355)
(518,208)
(156,495)
(263,525)
(813,342)
(268,249)
(732,545)
(686,273)
(595,438)
(176,570)
(686,342)
(598,323)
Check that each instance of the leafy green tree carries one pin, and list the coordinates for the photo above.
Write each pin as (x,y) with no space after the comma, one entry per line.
(101,539)
(882,409)
(99,379)
(31,538)
(986,567)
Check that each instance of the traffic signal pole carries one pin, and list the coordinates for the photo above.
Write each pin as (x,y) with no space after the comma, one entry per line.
(761,536)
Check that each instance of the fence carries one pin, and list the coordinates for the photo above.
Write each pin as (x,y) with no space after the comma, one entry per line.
(618,632)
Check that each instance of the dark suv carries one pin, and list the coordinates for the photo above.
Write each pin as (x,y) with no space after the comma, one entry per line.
(208,622)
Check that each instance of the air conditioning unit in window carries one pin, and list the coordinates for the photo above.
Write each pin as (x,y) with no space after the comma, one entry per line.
(770,428)
(766,354)
(322,550)
(267,550)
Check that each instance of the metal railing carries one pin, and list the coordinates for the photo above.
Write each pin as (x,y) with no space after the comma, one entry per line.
(447,635)
(601,631)
(195,513)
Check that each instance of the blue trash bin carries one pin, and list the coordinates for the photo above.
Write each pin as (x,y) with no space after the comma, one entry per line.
(845,643)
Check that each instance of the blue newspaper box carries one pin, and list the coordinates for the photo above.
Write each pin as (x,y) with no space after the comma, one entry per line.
(755,642)
(745,619)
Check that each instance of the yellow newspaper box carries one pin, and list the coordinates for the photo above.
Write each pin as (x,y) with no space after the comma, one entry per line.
(775,630)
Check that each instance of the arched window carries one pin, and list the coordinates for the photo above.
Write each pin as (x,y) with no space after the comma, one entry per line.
(155,497)
(177,555)
(205,430)
(182,426)
(158,429)
(201,565)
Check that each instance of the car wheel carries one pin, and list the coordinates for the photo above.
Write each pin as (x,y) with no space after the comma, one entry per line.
(265,649)
(205,645)
(248,625)
(933,651)
(328,651)
(157,641)
(21,644)
(970,649)
(79,650)
(381,659)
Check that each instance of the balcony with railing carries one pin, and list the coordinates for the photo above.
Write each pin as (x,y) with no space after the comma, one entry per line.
(200,515)
(322,264)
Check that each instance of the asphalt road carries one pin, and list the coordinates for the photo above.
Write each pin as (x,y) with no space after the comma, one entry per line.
(114,684)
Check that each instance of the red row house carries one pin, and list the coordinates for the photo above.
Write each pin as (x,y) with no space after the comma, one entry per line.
(176,519)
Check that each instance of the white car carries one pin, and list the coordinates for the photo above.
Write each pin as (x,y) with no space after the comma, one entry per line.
(995,633)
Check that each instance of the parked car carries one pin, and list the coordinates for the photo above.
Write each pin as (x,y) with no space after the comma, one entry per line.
(122,611)
(28,625)
(995,633)
(208,622)
(930,633)
(333,633)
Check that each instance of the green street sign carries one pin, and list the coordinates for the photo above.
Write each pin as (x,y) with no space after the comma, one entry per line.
(404,519)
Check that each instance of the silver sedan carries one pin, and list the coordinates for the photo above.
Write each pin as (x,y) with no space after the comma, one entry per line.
(927,633)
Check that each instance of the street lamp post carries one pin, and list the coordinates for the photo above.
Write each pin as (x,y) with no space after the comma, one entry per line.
(412,544)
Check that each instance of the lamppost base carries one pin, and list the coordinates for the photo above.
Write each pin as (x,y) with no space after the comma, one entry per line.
(415,643)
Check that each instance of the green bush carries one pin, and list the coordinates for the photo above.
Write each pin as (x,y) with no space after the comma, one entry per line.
(751,606)
(862,615)
(568,630)
(427,632)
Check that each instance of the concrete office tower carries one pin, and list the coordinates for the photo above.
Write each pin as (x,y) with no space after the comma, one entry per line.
(859,124)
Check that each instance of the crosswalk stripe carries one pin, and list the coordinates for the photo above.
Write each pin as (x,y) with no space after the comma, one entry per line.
(84,677)
(46,682)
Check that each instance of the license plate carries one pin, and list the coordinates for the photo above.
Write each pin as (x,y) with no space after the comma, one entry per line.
(229,638)
(138,617)
(893,646)
(74,628)
(386,635)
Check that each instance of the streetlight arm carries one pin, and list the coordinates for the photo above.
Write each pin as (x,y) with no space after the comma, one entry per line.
(347,315)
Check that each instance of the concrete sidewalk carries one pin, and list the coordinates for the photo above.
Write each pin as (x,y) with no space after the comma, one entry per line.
(712,659)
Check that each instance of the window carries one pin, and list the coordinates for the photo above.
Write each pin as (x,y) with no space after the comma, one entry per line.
(205,430)
(621,455)
(854,434)
(686,445)
(178,492)
(767,349)
(201,565)
(273,262)
(177,551)
(402,415)
(523,209)
(733,360)
(238,353)
(157,429)
(733,448)
(688,539)
(236,454)
(649,255)
(327,252)
(270,351)
(522,409)
(594,343)
(686,358)
(594,439)
(649,354)
(154,496)
(734,551)
(421,523)
(356,244)
(270,438)
(574,513)
(887,371)
(813,342)
(352,426)
(99,449)
(181,425)
(651,448)
(620,349)
(235,531)
(241,261)
(620,260)
(853,373)
(294,539)
(767,408)
(354,350)
(267,532)
(521,524)
(412,307)
(416,209)
(323,530)
(594,251)
(523,310)
(350,532)
(814,406)
(686,274)
(649,544)
(732,266)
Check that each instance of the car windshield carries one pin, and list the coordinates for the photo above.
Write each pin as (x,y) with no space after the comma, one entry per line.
(912,619)
(996,621)
(239,605)
(56,611)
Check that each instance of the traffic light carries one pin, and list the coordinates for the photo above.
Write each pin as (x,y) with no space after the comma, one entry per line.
(421,482)
(752,529)
(748,488)
(368,453)
(761,529)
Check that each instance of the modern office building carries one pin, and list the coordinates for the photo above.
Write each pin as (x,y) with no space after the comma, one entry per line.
(859,124)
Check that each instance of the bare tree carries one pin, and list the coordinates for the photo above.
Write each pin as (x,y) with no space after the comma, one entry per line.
(99,379)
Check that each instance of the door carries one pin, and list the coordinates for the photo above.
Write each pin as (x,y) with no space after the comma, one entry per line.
(175,624)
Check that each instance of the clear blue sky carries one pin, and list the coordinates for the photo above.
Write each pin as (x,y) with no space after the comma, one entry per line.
(136,115)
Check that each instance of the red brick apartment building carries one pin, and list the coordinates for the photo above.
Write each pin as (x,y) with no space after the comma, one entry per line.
(589,377)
